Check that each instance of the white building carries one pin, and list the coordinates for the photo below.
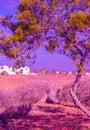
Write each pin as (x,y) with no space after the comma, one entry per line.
(88,74)
(6,69)
(26,70)
(22,70)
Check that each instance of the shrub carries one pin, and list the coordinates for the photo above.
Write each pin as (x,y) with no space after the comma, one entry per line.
(18,102)
(82,92)
(1,98)
(35,92)
(28,93)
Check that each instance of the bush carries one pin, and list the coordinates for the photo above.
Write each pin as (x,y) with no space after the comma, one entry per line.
(28,94)
(82,92)
(17,103)
(35,92)
(1,98)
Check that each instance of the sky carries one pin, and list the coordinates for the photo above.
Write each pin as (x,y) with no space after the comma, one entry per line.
(44,59)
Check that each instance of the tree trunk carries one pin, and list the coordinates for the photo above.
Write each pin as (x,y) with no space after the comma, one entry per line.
(73,94)
(78,103)
(74,87)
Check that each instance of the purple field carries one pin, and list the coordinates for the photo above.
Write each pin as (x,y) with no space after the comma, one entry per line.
(61,115)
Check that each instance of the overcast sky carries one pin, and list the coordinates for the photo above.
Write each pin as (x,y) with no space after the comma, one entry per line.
(44,59)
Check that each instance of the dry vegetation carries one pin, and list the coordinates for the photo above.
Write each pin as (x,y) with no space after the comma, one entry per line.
(18,92)
(83,92)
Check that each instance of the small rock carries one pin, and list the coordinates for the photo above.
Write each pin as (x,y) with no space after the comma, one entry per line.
(49,100)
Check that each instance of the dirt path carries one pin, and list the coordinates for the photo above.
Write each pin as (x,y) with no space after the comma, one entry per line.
(47,118)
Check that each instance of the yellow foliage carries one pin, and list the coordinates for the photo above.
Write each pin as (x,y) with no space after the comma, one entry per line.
(13,52)
(37,27)
(22,2)
(80,67)
(36,1)
(58,28)
(24,15)
(27,55)
(79,20)
(47,20)
(67,46)
(53,4)
(76,2)
(11,38)
(34,27)
(32,19)
(88,44)
(19,31)
(16,38)
(5,40)
(72,35)
(44,7)
(18,15)
(28,2)
(86,2)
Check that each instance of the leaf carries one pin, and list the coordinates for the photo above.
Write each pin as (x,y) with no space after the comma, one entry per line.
(13,52)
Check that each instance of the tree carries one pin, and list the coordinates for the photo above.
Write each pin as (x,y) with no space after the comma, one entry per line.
(73,38)
(62,26)
(26,28)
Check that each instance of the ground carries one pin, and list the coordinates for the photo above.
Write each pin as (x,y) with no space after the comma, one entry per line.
(58,116)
